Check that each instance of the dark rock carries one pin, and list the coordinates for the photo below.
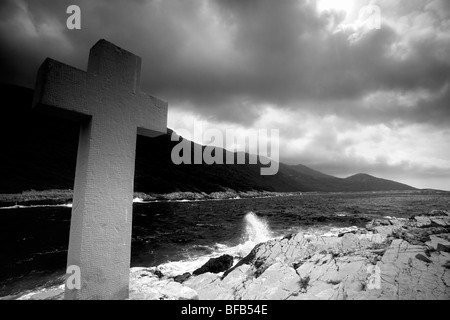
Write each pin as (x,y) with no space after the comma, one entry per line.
(418,236)
(428,252)
(216,265)
(246,260)
(377,223)
(443,247)
(288,236)
(423,258)
(379,252)
(438,213)
(182,278)
(341,234)
(158,273)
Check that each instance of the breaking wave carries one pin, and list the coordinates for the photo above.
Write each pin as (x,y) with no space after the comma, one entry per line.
(256,230)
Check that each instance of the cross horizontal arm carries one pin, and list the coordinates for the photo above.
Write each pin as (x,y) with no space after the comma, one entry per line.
(151,119)
(60,89)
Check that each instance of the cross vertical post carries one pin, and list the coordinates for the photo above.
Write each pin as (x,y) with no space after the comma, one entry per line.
(111,110)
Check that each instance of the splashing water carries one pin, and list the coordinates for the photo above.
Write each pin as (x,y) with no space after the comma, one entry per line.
(256,231)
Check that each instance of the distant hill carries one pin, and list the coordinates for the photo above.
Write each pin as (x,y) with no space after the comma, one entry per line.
(39,152)
(364,181)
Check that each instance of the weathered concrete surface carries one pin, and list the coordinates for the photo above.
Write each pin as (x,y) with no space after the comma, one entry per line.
(107,101)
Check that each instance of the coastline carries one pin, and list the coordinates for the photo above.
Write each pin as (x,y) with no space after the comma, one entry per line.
(65,196)
(389,258)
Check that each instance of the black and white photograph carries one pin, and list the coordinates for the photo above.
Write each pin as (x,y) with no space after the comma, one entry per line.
(225,154)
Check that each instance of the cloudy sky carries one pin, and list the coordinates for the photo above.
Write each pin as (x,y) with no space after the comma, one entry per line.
(346,97)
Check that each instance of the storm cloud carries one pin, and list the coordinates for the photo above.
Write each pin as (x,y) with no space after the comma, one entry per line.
(306,67)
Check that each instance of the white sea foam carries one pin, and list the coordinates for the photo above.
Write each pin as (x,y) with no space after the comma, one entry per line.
(17,206)
(140,200)
(334,232)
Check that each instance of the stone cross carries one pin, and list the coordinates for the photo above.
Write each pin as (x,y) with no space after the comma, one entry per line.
(111,110)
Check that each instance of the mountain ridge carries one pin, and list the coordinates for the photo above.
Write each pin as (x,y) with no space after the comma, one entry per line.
(41,154)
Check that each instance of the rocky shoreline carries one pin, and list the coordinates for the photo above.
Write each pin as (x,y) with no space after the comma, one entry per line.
(391,258)
(58,197)
(219,195)
(65,196)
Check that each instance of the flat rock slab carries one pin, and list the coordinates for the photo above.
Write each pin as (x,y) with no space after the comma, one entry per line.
(439,242)
(349,265)
(54,293)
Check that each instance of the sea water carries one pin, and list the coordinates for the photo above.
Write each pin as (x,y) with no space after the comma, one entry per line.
(179,237)
(256,231)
